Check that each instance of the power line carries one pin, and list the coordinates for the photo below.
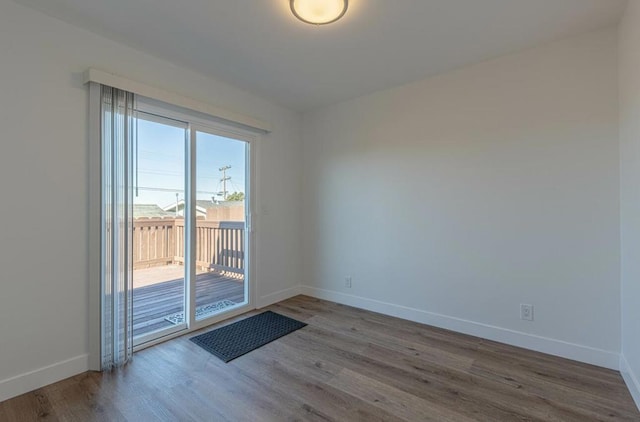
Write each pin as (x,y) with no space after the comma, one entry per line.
(149,189)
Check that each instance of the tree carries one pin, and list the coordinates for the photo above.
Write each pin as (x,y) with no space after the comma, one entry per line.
(235,196)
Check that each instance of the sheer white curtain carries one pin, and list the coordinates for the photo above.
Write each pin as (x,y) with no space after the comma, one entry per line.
(118,130)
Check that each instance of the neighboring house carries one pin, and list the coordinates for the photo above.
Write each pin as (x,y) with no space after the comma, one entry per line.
(226,211)
(150,211)
(201,207)
(210,210)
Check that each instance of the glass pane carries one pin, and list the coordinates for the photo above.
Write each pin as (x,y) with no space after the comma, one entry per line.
(158,229)
(220,224)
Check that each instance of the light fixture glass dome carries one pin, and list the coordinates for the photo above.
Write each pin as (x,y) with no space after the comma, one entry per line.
(319,12)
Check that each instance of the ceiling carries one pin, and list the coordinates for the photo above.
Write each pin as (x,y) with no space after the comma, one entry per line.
(260,47)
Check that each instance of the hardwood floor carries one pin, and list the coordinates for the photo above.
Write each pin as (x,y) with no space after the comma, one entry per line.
(346,365)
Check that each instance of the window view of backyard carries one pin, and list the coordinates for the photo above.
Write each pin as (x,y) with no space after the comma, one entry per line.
(159,272)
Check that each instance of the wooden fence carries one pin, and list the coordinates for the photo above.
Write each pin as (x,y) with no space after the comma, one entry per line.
(160,241)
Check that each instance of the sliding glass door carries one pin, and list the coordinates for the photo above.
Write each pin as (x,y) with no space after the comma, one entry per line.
(191,205)
(159,275)
(220,199)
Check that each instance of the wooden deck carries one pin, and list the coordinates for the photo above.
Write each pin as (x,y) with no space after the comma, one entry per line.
(153,302)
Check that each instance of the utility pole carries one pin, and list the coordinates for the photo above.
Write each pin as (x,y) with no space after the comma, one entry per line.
(224,181)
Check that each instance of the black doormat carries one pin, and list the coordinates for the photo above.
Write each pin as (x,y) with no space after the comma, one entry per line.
(239,338)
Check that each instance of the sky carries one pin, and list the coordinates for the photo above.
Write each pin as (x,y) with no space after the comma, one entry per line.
(161,164)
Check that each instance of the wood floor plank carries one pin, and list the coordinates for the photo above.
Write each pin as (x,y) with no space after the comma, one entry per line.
(406,372)
(393,400)
(589,401)
(390,340)
(304,384)
(76,402)
(346,365)
(34,406)
(577,375)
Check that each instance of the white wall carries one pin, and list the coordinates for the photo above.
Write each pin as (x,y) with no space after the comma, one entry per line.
(44,187)
(630,194)
(450,201)
(455,199)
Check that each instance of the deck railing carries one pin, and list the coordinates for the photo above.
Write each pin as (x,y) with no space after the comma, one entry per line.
(160,241)
(154,242)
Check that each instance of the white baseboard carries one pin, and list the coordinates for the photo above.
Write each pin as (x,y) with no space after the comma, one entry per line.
(631,379)
(32,380)
(276,297)
(586,354)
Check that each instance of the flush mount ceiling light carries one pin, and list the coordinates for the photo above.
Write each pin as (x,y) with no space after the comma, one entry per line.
(319,12)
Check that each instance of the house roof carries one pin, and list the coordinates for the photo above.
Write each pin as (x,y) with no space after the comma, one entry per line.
(205,203)
(219,204)
(150,211)
(202,205)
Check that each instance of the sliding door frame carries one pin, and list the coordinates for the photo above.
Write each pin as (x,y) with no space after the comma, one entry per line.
(197,122)
(180,124)
(226,132)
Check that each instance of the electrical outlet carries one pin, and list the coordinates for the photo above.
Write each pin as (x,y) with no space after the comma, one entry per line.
(526,312)
(347,281)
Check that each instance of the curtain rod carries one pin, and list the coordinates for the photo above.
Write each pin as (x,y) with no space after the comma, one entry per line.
(115,81)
